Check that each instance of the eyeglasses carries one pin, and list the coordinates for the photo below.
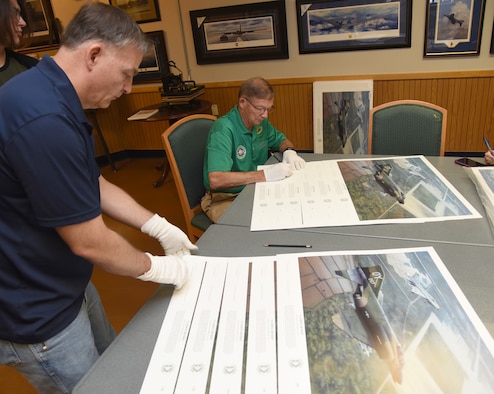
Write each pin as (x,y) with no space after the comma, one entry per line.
(261,110)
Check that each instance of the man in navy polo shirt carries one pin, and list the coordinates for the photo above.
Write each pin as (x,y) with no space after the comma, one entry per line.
(52,197)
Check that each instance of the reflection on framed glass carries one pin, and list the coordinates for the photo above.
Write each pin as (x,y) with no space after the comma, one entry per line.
(44,27)
(240,33)
(453,27)
(154,64)
(140,10)
(342,25)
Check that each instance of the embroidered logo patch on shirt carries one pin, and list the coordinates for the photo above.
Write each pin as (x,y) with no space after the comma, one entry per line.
(241,152)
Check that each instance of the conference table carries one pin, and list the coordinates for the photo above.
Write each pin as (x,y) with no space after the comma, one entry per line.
(465,246)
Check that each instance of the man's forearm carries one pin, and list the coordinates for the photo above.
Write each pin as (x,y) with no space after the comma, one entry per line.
(219,180)
(119,205)
(103,247)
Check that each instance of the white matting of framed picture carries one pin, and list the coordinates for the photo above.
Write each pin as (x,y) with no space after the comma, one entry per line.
(341,116)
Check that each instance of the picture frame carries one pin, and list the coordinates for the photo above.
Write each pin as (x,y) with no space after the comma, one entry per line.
(453,27)
(45,29)
(154,64)
(341,115)
(491,49)
(349,25)
(141,11)
(249,32)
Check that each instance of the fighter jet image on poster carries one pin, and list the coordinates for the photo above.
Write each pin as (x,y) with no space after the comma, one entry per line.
(368,331)
(368,322)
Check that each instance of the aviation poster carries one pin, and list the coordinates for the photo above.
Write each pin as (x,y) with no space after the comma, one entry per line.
(341,116)
(483,178)
(358,192)
(379,321)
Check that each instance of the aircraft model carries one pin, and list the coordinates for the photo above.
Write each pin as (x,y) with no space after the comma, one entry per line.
(382,175)
(368,322)
(237,34)
(453,20)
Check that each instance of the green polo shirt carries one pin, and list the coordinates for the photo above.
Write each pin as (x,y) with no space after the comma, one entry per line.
(231,147)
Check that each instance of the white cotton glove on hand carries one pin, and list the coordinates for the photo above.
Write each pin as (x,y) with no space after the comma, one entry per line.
(173,240)
(277,172)
(166,269)
(291,157)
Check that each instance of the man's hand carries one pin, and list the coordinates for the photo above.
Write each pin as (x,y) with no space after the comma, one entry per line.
(173,240)
(291,157)
(277,172)
(489,158)
(166,269)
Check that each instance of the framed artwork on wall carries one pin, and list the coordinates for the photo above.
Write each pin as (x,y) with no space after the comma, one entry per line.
(491,51)
(140,10)
(154,64)
(453,27)
(44,27)
(348,25)
(240,33)
(341,116)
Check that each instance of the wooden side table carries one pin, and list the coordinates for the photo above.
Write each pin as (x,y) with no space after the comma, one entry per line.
(172,113)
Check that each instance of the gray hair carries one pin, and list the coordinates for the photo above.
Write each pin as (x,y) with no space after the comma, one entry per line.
(104,23)
(256,87)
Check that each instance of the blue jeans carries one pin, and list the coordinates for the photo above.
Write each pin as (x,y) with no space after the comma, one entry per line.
(56,365)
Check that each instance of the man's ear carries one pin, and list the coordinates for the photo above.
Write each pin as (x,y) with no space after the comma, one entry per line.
(93,55)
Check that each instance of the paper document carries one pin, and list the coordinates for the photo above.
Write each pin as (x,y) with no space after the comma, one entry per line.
(358,192)
(229,352)
(260,374)
(391,320)
(194,371)
(483,178)
(143,114)
(162,372)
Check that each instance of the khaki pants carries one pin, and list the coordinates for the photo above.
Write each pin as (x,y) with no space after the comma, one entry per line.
(214,204)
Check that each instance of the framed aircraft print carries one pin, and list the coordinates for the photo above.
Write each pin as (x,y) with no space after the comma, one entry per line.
(349,25)
(453,27)
(240,33)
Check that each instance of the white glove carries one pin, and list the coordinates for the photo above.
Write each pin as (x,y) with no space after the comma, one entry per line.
(277,172)
(173,240)
(291,157)
(166,269)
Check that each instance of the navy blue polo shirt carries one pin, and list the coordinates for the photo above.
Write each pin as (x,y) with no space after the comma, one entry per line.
(48,179)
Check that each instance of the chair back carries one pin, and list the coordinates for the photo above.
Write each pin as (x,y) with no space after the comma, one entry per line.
(407,127)
(185,145)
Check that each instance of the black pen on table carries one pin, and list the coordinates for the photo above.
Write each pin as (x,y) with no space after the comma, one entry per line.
(486,142)
(287,246)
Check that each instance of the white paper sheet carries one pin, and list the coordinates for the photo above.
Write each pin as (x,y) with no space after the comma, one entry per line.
(483,179)
(197,357)
(229,351)
(163,369)
(358,192)
(261,342)
(293,362)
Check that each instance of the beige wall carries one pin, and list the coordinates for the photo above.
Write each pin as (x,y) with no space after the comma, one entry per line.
(386,61)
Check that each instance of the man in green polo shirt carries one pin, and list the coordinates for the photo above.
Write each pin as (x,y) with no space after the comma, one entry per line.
(238,142)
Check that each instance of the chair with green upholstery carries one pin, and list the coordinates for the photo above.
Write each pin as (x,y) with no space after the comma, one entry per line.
(185,145)
(407,127)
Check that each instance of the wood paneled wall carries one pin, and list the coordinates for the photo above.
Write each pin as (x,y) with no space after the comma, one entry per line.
(468,97)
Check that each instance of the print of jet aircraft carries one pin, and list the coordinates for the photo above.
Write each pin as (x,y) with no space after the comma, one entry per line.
(453,20)
(382,175)
(237,34)
(368,322)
